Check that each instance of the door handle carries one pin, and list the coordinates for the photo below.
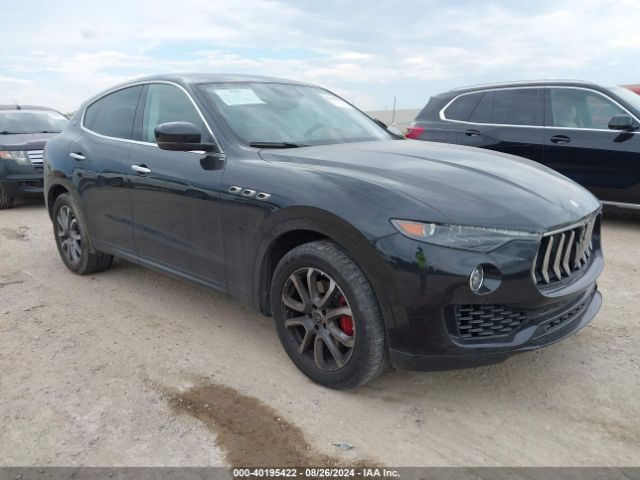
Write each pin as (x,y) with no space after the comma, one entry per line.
(77,156)
(141,169)
(560,139)
(472,133)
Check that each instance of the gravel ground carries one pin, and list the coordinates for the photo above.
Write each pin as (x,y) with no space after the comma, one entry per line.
(93,371)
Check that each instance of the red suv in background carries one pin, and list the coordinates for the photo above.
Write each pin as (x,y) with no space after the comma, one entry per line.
(634,88)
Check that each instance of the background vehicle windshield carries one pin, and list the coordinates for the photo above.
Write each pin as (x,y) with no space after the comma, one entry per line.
(282,113)
(630,97)
(31,121)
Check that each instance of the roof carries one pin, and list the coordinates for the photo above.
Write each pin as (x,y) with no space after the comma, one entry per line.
(194,78)
(214,78)
(526,83)
(24,107)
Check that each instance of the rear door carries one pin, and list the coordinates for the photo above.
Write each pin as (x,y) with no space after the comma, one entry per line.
(101,155)
(508,120)
(580,145)
(176,210)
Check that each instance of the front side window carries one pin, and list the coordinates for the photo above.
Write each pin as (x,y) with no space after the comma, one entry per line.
(289,114)
(31,121)
(578,108)
(113,114)
(166,103)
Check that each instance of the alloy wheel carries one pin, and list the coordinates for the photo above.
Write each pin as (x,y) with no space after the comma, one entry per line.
(319,321)
(69,235)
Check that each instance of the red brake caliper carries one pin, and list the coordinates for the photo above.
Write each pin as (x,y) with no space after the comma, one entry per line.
(345,321)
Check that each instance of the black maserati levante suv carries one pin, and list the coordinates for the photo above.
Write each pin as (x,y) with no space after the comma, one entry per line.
(24,130)
(587,132)
(365,247)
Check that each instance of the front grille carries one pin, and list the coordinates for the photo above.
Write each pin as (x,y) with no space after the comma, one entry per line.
(35,156)
(564,252)
(487,321)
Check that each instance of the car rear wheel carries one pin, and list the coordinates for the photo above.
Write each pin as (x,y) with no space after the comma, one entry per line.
(327,316)
(5,200)
(74,245)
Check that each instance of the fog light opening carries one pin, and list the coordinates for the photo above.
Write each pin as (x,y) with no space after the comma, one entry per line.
(476,279)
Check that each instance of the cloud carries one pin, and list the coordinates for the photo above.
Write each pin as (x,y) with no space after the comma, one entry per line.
(15,81)
(373,52)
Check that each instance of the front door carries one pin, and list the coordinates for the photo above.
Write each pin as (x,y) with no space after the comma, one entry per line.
(176,205)
(580,145)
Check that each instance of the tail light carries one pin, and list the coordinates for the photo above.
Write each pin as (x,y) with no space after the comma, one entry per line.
(414,132)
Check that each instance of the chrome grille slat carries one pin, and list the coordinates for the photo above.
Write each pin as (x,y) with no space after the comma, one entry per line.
(564,251)
(567,254)
(556,262)
(545,261)
(587,242)
(35,156)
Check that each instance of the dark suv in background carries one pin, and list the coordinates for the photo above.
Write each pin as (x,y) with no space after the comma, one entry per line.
(24,130)
(587,132)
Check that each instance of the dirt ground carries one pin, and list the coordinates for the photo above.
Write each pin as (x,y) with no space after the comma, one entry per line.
(130,367)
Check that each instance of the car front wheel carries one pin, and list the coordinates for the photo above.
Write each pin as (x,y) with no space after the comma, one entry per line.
(5,200)
(327,316)
(72,240)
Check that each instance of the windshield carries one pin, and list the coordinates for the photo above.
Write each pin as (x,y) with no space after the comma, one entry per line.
(630,97)
(31,121)
(283,115)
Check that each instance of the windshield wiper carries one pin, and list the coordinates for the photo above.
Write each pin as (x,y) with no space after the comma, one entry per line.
(276,145)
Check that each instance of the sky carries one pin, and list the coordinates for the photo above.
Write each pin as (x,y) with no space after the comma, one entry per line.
(58,54)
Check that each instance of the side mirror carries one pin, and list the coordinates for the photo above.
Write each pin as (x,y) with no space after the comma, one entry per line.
(623,122)
(181,137)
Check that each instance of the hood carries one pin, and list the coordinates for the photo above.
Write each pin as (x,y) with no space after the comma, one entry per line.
(470,186)
(25,141)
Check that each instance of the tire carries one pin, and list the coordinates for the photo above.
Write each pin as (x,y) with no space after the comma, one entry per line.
(307,328)
(6,201)
(73,241)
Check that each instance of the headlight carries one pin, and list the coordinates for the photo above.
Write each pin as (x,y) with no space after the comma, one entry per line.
(15,155)
(481,239)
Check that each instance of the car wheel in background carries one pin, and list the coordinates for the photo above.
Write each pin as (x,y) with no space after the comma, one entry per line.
(327,316)
(5,200)
(74,245)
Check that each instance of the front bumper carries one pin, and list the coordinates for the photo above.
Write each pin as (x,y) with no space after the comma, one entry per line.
(428,283)
(481,356)
(21,180)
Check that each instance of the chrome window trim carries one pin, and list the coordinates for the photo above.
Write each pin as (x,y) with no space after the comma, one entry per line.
(445,119)
(139,142)
(485,90)
(631,206)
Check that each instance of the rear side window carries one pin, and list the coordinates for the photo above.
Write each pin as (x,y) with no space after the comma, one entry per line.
(113,114)
(518,106)
(482,112)
(461,107)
